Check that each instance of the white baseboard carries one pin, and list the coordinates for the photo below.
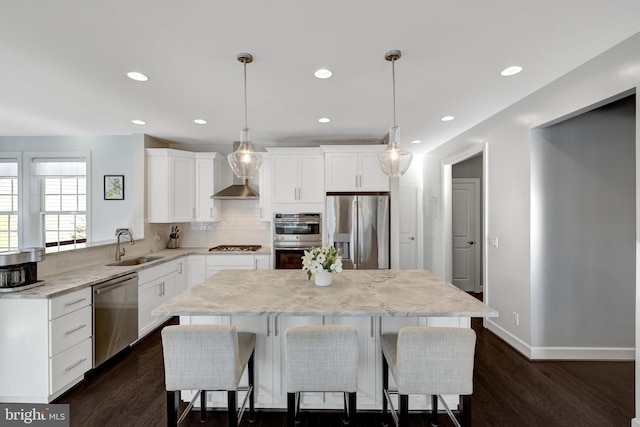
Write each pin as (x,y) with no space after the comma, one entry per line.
(562,353)
(635,422)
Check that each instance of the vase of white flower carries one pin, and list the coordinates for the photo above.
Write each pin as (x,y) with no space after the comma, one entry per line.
(321,262)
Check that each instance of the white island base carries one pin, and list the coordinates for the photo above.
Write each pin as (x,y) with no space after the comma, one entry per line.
(270,375)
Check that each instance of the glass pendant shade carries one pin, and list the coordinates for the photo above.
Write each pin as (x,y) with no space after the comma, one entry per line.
(244,161)
(394,161)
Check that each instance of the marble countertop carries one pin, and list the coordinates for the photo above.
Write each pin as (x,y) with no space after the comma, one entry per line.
(398,293)
(88,276)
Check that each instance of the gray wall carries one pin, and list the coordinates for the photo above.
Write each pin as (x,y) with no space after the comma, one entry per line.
(583,228)
(472,168)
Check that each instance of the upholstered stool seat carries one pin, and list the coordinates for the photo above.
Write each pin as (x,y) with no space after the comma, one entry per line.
(207,358)
(321,359)
(430,361)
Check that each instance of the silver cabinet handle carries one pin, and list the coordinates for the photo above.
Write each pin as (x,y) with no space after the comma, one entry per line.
(68,368)
(371,326)
(69,332)
(275,326)
(268,323)
(68,304)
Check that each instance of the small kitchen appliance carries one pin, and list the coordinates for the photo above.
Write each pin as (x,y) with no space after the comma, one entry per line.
(19,269)
(292,234)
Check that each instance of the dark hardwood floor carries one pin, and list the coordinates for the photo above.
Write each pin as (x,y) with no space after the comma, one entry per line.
(508,391)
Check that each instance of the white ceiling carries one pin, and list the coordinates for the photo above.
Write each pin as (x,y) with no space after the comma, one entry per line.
(63,65)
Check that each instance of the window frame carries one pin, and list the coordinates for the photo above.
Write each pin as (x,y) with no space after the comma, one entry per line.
(17,156)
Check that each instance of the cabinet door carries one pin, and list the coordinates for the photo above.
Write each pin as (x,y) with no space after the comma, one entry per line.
(204,181)
(148,297)
(264,203)
(341,170)
(285,179)
(196,272)
(182,189)
(263,262)
(371,176)
(311,179)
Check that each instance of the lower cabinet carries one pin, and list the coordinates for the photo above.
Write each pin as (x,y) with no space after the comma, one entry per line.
(47,346)
(155,286)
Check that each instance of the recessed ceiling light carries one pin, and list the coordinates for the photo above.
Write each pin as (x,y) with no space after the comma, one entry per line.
(134,75)
(511,71)
(138,122)
(200,121)
(324,120)
(323,73)
(416,141)
(447,118)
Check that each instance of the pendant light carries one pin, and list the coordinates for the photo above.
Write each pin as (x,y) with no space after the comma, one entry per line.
(244,161)
(394,161)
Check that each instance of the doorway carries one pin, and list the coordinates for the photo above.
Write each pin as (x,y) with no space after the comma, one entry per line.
(466,242)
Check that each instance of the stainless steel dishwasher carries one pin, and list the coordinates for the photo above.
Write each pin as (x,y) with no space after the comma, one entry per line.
(115,316)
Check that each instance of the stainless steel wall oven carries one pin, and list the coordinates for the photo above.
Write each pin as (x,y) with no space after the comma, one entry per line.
(292,234)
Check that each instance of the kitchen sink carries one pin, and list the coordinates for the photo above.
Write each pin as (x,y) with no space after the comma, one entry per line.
(135,261)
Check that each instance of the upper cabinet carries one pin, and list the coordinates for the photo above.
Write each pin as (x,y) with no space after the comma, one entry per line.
(208,173)
(180,184)
(297,179)
(354,168)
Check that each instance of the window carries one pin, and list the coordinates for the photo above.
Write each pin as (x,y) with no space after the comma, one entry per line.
(63,202)
(8,205)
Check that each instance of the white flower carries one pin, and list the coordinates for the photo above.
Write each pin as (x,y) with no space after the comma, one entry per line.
(318,259)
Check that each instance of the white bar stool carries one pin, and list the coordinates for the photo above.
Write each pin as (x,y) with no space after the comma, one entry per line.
(431,361)
(321,359)
(207,357)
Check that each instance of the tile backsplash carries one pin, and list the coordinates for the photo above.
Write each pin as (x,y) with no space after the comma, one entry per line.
(240,225)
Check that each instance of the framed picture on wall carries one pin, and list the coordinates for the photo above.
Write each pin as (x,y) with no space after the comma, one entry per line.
(114,187)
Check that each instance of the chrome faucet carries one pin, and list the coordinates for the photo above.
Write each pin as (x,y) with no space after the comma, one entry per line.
(120,232)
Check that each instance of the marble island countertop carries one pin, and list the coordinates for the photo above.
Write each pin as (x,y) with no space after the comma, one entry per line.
(90,275)
(398,293)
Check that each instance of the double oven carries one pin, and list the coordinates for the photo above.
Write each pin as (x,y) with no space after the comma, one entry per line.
(292,234)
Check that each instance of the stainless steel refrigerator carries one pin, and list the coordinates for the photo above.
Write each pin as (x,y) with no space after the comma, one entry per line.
(358,227)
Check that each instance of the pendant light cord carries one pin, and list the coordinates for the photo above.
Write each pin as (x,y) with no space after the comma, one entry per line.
(393,76)
(245,94)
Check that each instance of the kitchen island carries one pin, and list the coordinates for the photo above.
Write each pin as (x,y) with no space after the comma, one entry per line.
(267,302)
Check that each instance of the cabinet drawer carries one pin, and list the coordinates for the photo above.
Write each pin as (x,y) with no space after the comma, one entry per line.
(156,272)
(230,261)
(69,330)
(68,303)
(70,365)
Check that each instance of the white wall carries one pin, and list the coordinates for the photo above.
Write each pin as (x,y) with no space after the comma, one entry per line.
(508,136)
(110,155)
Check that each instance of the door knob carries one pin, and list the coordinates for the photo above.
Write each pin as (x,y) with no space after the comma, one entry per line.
(471,242)
(412,238)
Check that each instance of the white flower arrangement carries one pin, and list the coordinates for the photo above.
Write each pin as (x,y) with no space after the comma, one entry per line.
(318,259)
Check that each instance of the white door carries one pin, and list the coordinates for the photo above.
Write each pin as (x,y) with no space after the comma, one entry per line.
(408,226)
(466,230)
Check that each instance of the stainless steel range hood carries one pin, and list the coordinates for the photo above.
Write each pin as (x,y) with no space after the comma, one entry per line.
(237,191)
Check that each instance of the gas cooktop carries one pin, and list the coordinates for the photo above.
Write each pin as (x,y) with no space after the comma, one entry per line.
(235,248)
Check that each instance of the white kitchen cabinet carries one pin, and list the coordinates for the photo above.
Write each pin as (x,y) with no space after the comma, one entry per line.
(196,270)
(264,202)
(208,181)
(171,185)
(249,261)
(297,179)
(355,171)
(180,185)
(47,346)
(155,286)
(263,262)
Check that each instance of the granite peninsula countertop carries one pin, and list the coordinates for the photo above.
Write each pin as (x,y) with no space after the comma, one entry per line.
(398,293)
(84,277)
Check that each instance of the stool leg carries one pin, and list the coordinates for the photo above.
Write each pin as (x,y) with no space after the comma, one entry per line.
(465,410)
(404,410)
(173,400)
(232,407)
(352,409)
(203,405)
(434,410)
(291,409)
(250,368)
(385,384)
